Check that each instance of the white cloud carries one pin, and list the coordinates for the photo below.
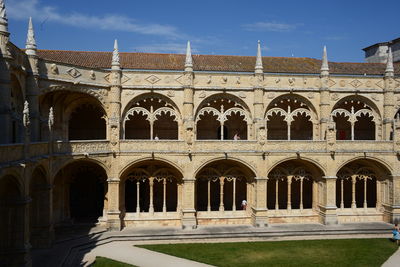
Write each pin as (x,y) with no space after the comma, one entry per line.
(179,48)
(270,27)
(23,9)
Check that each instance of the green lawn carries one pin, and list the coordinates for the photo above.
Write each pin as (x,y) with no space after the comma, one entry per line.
(105,262)
(339,252)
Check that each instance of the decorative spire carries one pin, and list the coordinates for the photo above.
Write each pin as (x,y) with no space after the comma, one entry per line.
(51,119)
(188,60)
(115,56)
(389,64)
(3,17)
(324,66)
(30,40)
(259,65)
(25,114)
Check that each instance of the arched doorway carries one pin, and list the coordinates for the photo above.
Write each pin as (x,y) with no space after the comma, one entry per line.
(292,190)
(290,117)
(151,117)
(221,187)
(362,185)
(150,189)
(222,117)
(77,116)
(355,119)
(80,193)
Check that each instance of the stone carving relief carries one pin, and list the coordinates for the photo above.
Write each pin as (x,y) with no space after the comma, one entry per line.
(380,84)
(271,95)
(167,79)
(355,83)
(277,80)
(170,93)
(209,79)
(99,94)
(54,69)
(310,95)
(291,81)
(137,78)
(224,79)
(74,73)
(242,95)
(185,79)
(375,97)
(334,96)
(368,84)
(238,80)
(152,79)
(92,75)
(342,83)
(202,94)
(331,83)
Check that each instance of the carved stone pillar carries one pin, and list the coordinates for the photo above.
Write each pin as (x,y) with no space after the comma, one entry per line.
(151,185)
(259,122)
(324,107)
(289,193)
(260,210)
(388,107)
(353,192)
(113,212)
(328,209)
(32,93)
(42,230)
(221,194)
(5,102)
(189,220)
(395,206)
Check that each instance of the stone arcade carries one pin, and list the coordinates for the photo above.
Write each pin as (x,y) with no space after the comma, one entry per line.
(139,139)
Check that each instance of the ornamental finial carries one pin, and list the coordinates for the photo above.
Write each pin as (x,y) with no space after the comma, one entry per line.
(389,64)
(324,66)
(259,64)
(115,56)
(188,60)
(30,40)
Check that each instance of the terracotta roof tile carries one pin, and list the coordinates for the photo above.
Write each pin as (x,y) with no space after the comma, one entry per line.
(151,61)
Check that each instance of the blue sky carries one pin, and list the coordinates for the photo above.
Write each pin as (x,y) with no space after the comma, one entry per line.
(285,28)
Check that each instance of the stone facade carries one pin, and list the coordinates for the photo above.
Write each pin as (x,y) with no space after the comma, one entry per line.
(128,147)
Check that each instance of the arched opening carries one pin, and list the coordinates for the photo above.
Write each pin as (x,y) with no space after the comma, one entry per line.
(358,182)
(223,186)
(355,119)
(39,209)
(289,118)
(79,193)
(151,117)
(291,185)
(12,220)
(77,116)
(87,122)
(151,187)
(222,117)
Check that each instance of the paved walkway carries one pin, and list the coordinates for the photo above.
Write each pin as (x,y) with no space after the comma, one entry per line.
(125,251)
(394,260)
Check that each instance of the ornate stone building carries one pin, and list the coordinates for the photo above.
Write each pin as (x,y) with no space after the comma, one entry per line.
(139,139)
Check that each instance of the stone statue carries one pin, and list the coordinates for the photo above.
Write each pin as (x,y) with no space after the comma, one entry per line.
(25,114)
(51,119)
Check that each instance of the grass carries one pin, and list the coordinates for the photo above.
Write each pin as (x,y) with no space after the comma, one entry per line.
(339,252)
(105,262)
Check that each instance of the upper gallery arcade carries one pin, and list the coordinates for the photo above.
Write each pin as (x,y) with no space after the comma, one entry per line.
(142,139)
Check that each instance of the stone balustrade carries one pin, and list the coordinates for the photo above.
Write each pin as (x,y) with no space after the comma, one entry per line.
(15,152)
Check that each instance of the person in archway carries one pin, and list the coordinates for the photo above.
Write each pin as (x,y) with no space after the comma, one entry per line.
(156,138)
(244,204)
(236,136)
(396,234)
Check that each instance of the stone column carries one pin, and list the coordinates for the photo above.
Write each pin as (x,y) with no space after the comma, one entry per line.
(188,208)
(324,107)
(113,212)
(221,194)
(208,195)
(289,193)
(388,98)
(42,234)
(329,212)
(138,197)
(151,185)
(353,192)
(259,209)
(234,194)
